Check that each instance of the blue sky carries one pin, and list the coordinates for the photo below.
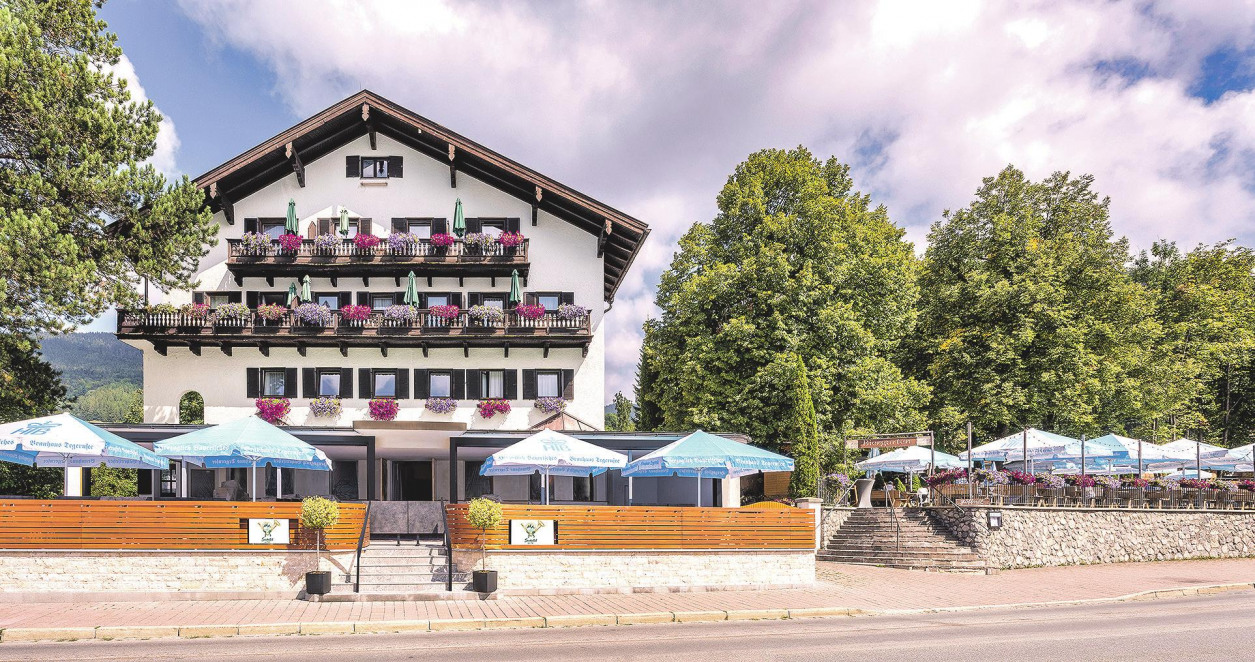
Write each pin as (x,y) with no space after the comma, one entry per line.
(649,106)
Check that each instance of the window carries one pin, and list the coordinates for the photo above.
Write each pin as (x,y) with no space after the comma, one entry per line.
(273,382)
(581,488)
(331,301)
(335,225)
(420,228)
(437,300)
(440,385)
(168,483)
(385,384)
(381,301)
(273,228)
(277,298)
(549,301)
(344,480)
(216,300)
(548,384)
(492,226)
(374,168)
(492,384)
(328,383)
(495,301)
(476,485)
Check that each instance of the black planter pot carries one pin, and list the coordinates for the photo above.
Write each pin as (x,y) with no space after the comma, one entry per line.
(318,582)
(483,581)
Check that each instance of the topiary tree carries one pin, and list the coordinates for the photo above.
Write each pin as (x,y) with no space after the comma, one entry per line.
(318,514)
(483,514)
(805,479)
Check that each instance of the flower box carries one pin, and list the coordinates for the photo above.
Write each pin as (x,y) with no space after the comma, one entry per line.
(326,407)
(194,311)
(478,243)
(273,410)
(490,408)
(486,317)
(400,315)
(440,242)
(271,312)
(402,243)
(326,244)
(290,244)
(529,312)
(355,313)
(365,244)
(235,315)
(255,243)
(446,313)
(551,405)
(312,314)
(383,409)
(510,240)
(570,311)
(441,405)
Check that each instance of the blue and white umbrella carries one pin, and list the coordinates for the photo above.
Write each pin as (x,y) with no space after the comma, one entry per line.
(912,459)
(248,442)
(705,455)
(1038,445)
(63,440)
(553,454)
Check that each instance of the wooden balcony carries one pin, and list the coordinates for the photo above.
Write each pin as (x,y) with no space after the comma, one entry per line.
(345,260)
(165,330)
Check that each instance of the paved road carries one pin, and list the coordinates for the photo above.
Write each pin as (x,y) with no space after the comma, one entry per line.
(1218,626)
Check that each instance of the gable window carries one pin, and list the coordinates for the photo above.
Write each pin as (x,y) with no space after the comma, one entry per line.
(420,228)
(440,385)
(328,383)
(273,382)
(492,384)
(374,168)
(273,227)
(548,384)
(385,383)
(381,301)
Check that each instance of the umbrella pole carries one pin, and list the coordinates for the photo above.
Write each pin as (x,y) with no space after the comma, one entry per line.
(253,491)
(1139,458)
(545,487)
(699,488)
(969,459)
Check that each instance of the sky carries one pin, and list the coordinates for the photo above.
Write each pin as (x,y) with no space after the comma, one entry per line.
(649,106)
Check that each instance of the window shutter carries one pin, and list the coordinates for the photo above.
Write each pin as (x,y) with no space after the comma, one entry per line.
(568,384)
(365,385)
(346,298)
(458,392)
(346,383)
(364,226)
(289,382)
(198,297)
(250,298)
(403,383)
(474,299)
(472,385)
(253,387)
(422,384)
(510,385)
(529,384)
(363,298)
(512,225)
(309,379)
(352,166)
(455,298)
(234,297)
(400,225)
(395,163)
(439,226)
(250,225)
(474,225)
(566,297)
(324,226)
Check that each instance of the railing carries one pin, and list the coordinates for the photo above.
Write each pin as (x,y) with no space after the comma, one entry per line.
(897,528)
(346,251)
(424,322)
(1099,496)
(832,493)
(357,561)
(448,548)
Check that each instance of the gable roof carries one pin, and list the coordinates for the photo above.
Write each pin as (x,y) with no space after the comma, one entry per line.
(620,235)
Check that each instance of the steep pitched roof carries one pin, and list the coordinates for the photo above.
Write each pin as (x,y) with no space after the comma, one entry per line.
(620,235)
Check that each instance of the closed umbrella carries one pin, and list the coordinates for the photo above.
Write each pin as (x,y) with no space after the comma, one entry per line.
(516,290)
(459,222)
(411,290)
(702,454)
(344,221)
(307,293)
(553,454)
(291,224)
(293,297)
(63,440)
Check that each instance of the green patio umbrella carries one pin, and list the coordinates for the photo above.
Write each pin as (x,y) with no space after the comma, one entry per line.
(306,294)
(411,290)
(516,291)
(459,222)
(344,221)
(292,297)
(291,225)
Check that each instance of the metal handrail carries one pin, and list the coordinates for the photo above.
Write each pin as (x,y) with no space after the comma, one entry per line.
(448,547)
(357,563)
(897,527)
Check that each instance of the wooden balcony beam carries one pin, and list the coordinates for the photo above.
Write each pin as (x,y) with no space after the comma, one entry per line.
(226,348)
(294,156)
(264,348)
(301,348)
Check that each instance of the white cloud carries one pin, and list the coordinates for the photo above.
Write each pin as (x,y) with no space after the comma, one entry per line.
(649,107)
(163,158)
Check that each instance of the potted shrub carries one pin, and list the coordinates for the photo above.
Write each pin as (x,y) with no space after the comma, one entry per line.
(317,515)
(383,409)
(483,514)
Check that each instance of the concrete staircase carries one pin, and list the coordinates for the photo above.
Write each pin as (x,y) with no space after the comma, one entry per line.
(911,540)
(406,568)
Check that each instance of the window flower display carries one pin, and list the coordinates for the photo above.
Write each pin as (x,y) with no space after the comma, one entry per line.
(529,311)
(366,242)
(441,240)
(570,311)
(510,239)
(162,309)
(478,242)
(255,243)
(449,312)
(273,410)
(271,311)
(487,315)
(400,242)
(441,405)
(290,243)
(551,405)
(327,243)
(383,409)
(326,407)
(196,311)
(401,313)
(232,311)
(313,314)
(490,408)
(355,313)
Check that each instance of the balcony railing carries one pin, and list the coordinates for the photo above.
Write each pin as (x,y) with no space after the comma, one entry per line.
(347,252)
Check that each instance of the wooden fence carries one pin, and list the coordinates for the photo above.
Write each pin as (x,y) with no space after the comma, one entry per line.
(647,527)
(161,525)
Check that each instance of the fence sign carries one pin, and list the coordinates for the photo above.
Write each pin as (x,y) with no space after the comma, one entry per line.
(533,532)
(268,532)
(890,441)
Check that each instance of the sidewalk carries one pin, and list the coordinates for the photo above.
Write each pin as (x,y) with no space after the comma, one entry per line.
(840,589)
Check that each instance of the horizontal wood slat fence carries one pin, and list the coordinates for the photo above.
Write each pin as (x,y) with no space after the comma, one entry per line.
(647,527)
(158,525)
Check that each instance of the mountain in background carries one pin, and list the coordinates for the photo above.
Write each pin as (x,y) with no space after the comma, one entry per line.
(91,360)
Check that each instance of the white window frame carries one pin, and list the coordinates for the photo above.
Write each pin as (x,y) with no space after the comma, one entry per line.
(487,380)
(329,374)
(431,384)
(377,164)
(557,384)
(266,373)
(374,382)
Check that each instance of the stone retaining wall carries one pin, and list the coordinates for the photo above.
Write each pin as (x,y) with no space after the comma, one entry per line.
(569,569)
(832,520)
(1032,537)
(141,571)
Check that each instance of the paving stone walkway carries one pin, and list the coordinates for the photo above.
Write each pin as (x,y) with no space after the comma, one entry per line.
(845,586)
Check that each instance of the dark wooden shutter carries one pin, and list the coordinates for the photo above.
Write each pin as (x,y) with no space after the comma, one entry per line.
(250,225)
(395,164)
(403,383)
(529,384)
(346,298)
(289,382)
(234,297)
(253,387)
(458,390)
(198,297)
(474,225)
(568,384)
(363,298)
(472,385)
(400,225)
(422,384)
(510,385)
(439,226)
(455,299)
(309,379)
(324,226)
(346,382)
(352,166)
(364,226)
(512,225)
(566,297)
(250,298)
(365,385)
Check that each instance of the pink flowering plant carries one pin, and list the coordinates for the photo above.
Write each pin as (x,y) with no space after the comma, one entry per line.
(1109,482)
(1136,482)
(355,313)
(196,311)
(1078,480)
(945,477)
(1021,478)
(366,242)
(326,407)
(441,240)
(1195,483)
(510,239)
(290,243)
(529,311)
(1247,484)
(383,409)
(551,405)
(490,408)
(271,311)
(440,405)
(273,410)
(449,312)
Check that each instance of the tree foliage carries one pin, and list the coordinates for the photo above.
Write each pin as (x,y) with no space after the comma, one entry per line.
(29,386)
(108,481)
(620,418)
(111,403)
(804,481)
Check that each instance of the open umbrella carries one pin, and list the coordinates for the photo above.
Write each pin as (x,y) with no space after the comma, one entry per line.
(459,222)
(551,453)
(293,297)
(63,440)
(411,290)
(912,459)
(1135,451)
(516,290)
(307,293)
(1037,445)
(248,442)
(344,221)
(291,224)
(705,455)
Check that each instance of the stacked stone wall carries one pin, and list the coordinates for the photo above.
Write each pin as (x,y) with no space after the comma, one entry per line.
(652,569)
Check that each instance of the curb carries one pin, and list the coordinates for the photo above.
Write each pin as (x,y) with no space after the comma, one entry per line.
(119,632)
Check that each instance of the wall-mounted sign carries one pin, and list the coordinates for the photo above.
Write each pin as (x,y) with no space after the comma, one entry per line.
(533,532)
(268,532)
(890,441)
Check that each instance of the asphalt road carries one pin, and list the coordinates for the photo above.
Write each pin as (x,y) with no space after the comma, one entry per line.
(1171,629)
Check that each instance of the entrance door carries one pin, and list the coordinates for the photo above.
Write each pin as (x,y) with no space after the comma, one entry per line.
(201,483)
(412,480)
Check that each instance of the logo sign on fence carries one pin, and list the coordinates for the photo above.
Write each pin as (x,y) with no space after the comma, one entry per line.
(268,532)
(890,441)
(533,532)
